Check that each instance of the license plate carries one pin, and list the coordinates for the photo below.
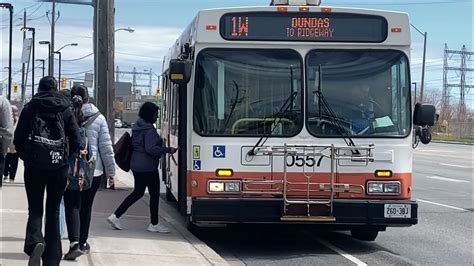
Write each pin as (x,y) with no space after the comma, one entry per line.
(397,211)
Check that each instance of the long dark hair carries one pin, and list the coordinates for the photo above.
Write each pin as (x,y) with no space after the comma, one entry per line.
(77,103)
(79,96)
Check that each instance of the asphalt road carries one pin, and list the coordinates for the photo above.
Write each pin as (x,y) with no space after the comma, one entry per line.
(443,185)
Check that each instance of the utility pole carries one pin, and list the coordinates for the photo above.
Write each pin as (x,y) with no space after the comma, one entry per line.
(33,64)
(117,74)
(134,80)
(51,52)
(105,60)
(10,42)
(425,36)
(23,80)
(423,68)
(151,83)
(414,101)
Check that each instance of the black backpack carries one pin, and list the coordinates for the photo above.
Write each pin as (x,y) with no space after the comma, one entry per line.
(123,151)
(46,147)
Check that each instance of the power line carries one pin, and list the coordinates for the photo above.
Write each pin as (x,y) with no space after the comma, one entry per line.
(144,56)
(76,59)
(18,15)
(78,73)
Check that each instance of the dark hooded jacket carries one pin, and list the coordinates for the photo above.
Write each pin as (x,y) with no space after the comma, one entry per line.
(147,147)
(47,102)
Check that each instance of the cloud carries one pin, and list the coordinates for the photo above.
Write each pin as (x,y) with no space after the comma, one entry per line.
(143,49)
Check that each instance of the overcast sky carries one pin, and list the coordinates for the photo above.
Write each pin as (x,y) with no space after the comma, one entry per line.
(157,23)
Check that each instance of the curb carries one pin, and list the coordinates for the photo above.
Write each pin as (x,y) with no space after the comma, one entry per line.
(170,217)
(452,142)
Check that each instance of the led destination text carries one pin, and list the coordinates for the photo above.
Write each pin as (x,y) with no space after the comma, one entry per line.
(317,27)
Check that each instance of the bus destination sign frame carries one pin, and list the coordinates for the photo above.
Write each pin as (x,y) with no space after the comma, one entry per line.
(303,27)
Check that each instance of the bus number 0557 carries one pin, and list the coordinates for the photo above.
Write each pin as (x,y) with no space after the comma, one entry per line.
(300,161)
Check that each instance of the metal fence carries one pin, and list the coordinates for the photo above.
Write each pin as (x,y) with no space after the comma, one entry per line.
(454,130)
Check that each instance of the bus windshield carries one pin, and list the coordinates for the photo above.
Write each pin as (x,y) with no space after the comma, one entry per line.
(247,92)
(368,90)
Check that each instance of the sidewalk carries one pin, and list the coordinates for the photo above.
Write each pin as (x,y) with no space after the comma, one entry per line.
(131,246)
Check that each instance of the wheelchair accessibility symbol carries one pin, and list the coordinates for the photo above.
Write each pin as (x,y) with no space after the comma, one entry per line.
(218,151)
(197,165)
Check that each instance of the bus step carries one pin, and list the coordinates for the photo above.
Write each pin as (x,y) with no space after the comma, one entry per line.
(294,218)
(312,202)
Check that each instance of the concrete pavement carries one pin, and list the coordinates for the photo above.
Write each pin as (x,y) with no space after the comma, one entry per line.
(131,246)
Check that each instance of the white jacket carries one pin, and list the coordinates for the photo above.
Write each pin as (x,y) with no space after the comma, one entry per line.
(6,125)
(100,141)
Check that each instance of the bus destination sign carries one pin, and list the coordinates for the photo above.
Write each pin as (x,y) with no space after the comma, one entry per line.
(314,27)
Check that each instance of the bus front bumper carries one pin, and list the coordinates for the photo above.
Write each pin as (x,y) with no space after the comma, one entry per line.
(346,212)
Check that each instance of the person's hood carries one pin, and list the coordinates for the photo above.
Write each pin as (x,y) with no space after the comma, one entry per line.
(142,125)
(50,101)
(89,109)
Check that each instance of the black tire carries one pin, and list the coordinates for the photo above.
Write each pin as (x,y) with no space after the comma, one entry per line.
(364,233)
(192,227)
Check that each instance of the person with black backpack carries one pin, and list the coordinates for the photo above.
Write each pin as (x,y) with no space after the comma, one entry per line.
(97,159)
(46,134)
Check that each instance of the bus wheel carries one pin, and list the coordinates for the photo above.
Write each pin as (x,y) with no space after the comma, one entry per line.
(365,233)
(192,227)
(169,195)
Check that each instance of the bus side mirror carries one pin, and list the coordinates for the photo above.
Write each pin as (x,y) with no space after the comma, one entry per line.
(424,115)
(180,71)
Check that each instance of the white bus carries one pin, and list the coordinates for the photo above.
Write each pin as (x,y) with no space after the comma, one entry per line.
(297,114)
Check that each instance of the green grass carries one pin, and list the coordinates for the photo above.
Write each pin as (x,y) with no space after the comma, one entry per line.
(453,139)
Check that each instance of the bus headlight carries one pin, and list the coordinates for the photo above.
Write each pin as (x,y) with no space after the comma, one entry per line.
(232,186)
(373,188)
(392,188)
(215,186)
(224,186)
(383,188)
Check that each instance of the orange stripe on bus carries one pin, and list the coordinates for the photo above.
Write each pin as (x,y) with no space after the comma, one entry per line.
(201,178)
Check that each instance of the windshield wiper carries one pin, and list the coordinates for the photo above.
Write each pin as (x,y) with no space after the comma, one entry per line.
(324,105)
(278,116)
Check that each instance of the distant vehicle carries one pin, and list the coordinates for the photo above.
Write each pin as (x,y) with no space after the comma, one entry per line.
(118,123)
(293,114)
(129,117)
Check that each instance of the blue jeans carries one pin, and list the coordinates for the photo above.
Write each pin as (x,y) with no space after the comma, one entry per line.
(62,219)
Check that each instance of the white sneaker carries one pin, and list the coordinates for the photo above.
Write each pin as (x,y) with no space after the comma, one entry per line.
(114,222)
(160,228)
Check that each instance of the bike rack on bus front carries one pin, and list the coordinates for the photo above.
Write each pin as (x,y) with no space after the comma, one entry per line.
(355,154)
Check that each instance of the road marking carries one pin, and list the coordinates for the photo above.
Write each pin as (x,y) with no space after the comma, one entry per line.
(341,252)
(436,151)
(442,205)
(455,165)
(12,211)
(447,179)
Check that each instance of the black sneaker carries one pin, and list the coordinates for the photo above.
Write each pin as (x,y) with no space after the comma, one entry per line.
(85,248)
(35,257)
(73,252)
